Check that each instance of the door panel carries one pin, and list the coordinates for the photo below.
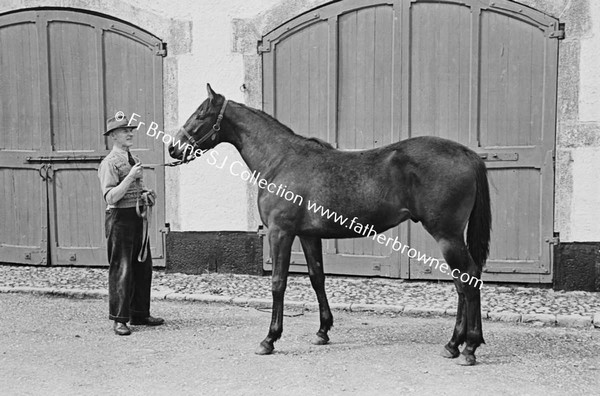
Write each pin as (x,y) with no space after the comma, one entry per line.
(74,87)
(440,71)
(512,72)
(365,64)
(76,208)
(20,81)
(365,75)
(23,210)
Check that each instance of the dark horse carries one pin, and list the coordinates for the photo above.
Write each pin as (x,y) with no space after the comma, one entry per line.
(437,182)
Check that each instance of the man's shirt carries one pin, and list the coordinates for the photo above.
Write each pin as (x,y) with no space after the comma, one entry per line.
(113,169)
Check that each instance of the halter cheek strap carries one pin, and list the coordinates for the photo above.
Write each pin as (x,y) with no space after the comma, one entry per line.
(215,128)
(212,134)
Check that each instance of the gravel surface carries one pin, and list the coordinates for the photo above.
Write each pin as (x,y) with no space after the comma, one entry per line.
(66,346)
(424,295)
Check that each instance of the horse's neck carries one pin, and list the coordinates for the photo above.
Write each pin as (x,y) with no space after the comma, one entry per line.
(262,142)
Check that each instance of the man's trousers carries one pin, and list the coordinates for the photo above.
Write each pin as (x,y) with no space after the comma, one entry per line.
(129,280)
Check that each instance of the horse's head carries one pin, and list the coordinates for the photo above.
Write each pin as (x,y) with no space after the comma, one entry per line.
(202,131)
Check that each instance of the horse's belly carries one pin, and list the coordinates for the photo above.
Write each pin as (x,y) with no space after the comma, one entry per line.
(356,224)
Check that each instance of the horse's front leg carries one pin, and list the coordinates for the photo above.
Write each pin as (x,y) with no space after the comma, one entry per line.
(281,248)
(314,258)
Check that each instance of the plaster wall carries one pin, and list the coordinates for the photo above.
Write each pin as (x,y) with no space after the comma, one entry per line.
(577,198)
(584,220)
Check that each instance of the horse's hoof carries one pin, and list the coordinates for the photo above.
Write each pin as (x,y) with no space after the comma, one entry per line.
(264,349)
(319,340)
(466,360)
(450,353)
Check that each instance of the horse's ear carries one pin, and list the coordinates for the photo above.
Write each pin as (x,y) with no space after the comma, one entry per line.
(211,93)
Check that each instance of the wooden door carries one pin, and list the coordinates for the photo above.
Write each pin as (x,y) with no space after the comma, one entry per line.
(89,68)
(363,75)
(486,77)
(321,79)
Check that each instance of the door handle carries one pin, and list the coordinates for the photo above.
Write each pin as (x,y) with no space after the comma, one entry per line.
(42,171)
(499,156)
(49,172)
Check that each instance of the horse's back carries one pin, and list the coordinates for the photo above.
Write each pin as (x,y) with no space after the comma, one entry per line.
(434,147)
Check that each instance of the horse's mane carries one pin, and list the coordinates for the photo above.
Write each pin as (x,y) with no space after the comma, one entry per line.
(287,130)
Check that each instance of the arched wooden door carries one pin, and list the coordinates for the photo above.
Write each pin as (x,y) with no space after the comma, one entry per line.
(363,75)
(62,73)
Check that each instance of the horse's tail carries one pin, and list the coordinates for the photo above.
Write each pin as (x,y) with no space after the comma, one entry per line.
(480,221)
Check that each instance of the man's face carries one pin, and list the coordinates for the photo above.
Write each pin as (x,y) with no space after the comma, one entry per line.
(123,137)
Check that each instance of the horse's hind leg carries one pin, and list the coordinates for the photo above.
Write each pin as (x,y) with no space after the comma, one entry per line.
(314,258)
(468,322)
(281,248)
(460,330)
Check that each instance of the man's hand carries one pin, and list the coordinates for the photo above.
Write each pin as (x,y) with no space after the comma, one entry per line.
(148,197)
(136,171)
(151,192)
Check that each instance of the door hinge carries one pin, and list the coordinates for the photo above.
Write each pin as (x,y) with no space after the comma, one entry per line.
(161,49)
(559,33)
(262,47)
(553,240)
(166,229)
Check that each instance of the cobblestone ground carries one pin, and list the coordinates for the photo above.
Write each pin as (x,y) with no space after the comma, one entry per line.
(434,295)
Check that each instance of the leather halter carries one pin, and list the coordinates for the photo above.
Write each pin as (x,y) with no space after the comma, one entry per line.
(194,143)
(215,129)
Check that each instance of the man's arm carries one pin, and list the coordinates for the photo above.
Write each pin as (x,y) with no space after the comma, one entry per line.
(143,185)
(112,190)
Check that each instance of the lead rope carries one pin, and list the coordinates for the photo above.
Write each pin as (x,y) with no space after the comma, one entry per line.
(146,216)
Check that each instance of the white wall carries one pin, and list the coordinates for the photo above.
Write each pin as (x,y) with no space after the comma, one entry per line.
(585,209)
(209,199)
(589,88)
(584,220)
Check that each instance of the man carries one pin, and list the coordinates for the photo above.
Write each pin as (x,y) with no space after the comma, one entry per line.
(129,277)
